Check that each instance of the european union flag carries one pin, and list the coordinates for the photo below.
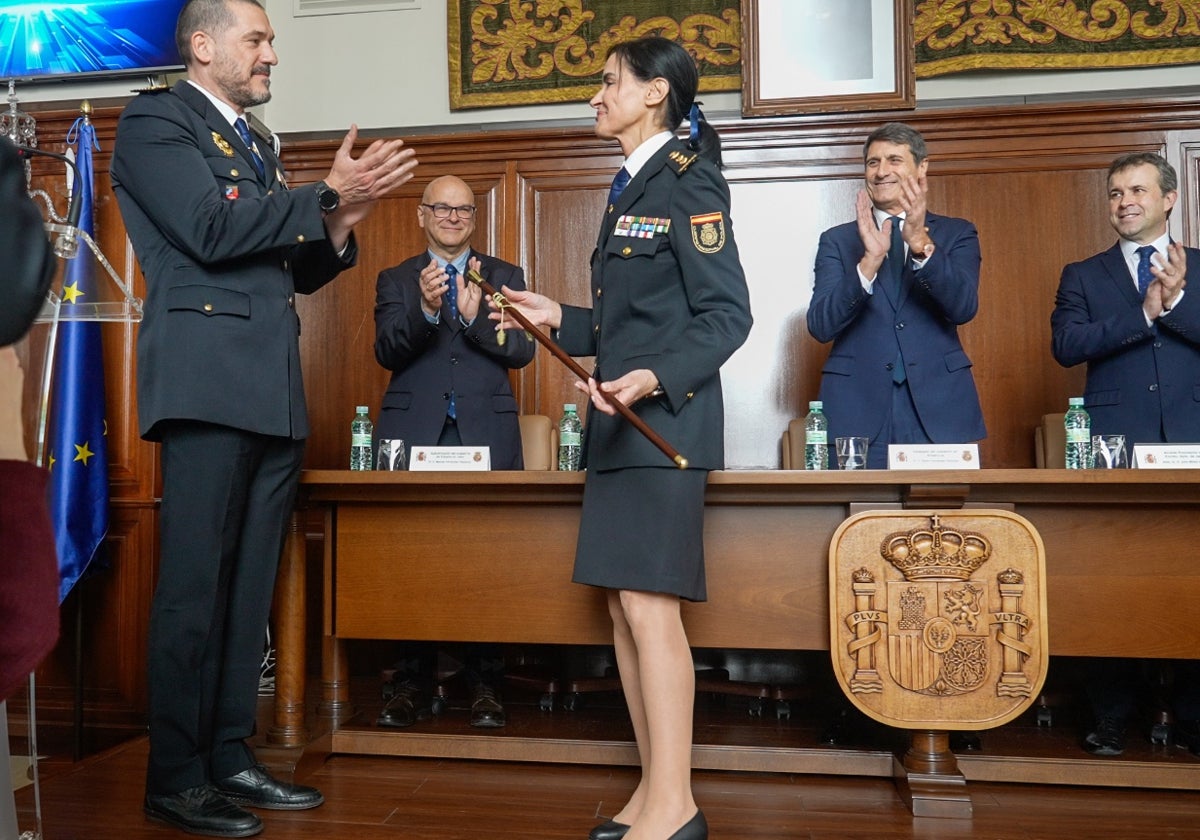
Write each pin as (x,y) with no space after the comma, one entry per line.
(78,452)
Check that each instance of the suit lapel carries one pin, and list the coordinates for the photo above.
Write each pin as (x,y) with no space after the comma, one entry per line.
(633,191)
(218,125)
(1118,272)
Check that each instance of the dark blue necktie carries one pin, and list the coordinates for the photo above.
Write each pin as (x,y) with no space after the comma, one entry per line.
(452,289)
(896,269)
(1144,277)
(243,131)
(452,296)
(618,185)
(896,256)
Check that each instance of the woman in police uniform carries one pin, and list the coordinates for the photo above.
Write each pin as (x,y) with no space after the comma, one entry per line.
(670,306)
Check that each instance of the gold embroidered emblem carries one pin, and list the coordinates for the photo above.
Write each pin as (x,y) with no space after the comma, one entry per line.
(222,144)
(708,232)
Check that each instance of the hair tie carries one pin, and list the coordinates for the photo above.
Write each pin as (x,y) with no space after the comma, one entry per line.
(695,117)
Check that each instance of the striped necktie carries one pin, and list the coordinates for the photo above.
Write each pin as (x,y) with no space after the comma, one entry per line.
(243,131)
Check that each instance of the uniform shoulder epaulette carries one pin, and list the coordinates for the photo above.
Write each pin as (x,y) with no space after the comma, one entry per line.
(152,89)
(679,161)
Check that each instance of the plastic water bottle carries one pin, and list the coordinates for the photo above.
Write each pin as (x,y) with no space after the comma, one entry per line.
(361,439)
(816,438)
(1079,435)
(569,434)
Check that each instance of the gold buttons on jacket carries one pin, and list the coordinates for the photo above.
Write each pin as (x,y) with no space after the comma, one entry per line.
(208,307)
(234,173)
(300,238)
(599,292)
(626,251)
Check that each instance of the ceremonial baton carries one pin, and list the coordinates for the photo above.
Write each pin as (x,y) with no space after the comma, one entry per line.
(504,305)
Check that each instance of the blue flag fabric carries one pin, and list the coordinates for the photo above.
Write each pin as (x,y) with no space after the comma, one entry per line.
(78,449)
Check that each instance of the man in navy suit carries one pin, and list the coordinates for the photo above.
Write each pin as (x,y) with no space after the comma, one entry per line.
(449,387)
(1125,313)
(892,288)
(225,246)
(449,382)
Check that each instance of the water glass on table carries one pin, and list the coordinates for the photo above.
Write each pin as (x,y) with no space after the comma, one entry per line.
(851,452)
(1108,452)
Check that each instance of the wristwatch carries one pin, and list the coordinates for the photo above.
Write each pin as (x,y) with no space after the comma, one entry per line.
(327,197)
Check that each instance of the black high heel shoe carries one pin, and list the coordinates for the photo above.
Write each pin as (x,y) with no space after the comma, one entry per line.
(609,830)
(694,829)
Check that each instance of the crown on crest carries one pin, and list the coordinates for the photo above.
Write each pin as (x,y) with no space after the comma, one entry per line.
(936,552)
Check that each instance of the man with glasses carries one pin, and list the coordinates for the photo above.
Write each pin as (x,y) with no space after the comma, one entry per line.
(449,385)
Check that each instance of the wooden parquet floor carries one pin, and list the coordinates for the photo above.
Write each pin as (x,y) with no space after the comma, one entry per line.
(388,798)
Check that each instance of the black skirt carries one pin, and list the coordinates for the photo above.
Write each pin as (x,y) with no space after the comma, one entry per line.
(643,529)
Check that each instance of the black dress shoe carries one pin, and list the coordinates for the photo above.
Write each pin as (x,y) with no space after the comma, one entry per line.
(486,711)
(694,829)
(608,830)
(259,789)
(407,705)
(1187,735)
(1108,738)
(201,810)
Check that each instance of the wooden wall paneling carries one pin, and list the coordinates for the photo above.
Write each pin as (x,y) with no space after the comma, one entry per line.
(1183,150)
(558,235)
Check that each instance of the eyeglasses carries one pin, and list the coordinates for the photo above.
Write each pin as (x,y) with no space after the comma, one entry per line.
(443,211)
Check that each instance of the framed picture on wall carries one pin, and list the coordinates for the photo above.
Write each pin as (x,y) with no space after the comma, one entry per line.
(811,56)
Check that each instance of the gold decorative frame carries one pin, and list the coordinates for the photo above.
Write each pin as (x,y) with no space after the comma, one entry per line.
(769,89)
(512,52)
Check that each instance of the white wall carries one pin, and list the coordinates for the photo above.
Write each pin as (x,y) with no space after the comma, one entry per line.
(388,70)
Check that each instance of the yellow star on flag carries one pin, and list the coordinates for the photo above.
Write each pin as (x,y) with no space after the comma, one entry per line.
(82,453)
(70,293)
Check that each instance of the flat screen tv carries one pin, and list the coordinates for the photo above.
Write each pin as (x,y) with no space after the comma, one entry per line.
(73,39)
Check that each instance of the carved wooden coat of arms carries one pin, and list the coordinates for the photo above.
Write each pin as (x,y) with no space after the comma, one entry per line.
(938,618)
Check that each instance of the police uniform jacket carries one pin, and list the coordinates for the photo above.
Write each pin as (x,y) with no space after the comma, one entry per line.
(224,251)
(429,361)
(668,295)
(1142,381)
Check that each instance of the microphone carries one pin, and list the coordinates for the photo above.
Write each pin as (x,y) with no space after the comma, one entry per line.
(67,244)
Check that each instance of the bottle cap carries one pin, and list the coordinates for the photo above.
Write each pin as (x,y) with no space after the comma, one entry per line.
(362,409)
(1075,401)
(568,406)
(814,405)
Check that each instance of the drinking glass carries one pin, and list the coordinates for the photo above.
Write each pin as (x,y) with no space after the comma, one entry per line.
(1108,452)
(851,452)
(392,455)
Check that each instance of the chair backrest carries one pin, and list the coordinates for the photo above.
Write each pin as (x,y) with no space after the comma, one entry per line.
(1050,442)
(539,442)
(791,445)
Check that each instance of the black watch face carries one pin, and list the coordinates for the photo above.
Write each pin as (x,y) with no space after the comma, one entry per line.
(327,199)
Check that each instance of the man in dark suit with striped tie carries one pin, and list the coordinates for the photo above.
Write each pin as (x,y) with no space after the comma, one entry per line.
(225,246)
(1125,313)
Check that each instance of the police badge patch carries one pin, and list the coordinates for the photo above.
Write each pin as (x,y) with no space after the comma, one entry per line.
(708,232)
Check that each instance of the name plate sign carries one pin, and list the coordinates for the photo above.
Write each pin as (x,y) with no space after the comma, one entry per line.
(450,459)
(1166,456)
(933,456)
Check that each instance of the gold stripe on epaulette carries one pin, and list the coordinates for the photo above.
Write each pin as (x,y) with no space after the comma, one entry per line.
(681,161)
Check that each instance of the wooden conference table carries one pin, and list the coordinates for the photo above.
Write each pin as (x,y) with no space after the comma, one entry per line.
(1121,556)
